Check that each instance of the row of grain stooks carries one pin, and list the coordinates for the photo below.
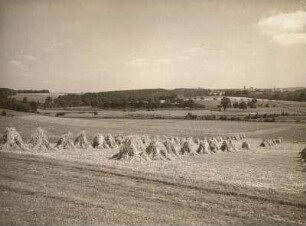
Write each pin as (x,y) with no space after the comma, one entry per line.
(130,147)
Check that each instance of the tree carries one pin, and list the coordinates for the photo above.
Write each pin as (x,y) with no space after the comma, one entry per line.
(189,103)
(252,103)
(236,105)
(226,103)
(33,106)
(243,105)
(48,102)
(25,100)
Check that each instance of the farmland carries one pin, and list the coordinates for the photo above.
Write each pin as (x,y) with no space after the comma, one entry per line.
(262,185)
(37,97)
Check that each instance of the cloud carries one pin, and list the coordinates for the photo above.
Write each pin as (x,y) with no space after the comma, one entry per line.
(20,68)
(27,75)
(290,39)
(144,62)
(285,29)
(16,63)
(29,57)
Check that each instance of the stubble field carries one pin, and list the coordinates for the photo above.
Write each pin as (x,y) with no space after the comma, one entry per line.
(258,186)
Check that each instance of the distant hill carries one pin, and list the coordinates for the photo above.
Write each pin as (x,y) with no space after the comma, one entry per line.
(12,92)
(141,98)
(7,92)
(33,91)
(8,101)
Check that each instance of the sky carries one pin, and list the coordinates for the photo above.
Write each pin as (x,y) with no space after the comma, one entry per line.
(102,45)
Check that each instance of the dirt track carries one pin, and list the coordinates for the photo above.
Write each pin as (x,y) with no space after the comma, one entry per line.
(38,190)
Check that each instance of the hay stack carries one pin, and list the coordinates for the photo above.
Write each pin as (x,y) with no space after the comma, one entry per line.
(110,141)
(279,140)
(270,142)
(213,146)
(196,140)
(172,147)
(265,143)
(119,139)
(303,154)
(189,147)
(204,147)
(234,137)
(246,145)
(39,141)
(227,146)
(65,141)
(132,148)
(12,140)
(81,141)
(157,151)
(99,142)
(177,140)
(219,139)
(146,140)
(172,140)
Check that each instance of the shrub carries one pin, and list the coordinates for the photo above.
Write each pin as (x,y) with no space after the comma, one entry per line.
(256,116)
(191,116)
(235,118)
(243,105)
(248,116)
(269,120)
(236,105)
(3,113)
(210,117)
(95,113)
(223,118)
(60,114)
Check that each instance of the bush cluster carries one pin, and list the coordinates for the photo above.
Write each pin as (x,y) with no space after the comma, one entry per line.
(250,117)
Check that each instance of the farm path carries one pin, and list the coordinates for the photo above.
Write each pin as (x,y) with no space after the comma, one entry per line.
(38,190)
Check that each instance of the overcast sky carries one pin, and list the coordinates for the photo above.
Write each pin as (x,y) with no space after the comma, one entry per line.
(100,45)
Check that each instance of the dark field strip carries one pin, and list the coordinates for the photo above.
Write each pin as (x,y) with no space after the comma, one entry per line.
(58,191)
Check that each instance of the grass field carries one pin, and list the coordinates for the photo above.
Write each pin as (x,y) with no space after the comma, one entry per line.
(259,186)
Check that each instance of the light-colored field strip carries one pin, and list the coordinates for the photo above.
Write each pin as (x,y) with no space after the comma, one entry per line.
(62,121)
(193,126)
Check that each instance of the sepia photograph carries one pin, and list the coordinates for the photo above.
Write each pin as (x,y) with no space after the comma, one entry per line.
(152,112)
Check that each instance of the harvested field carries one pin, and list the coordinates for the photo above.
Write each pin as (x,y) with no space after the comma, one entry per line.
(290,131)
(234,188)
(264,185)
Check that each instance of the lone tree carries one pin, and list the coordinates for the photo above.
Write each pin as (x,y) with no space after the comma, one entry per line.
(225,103)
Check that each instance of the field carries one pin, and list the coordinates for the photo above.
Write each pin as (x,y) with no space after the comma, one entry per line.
(259,186)
(37,97)
(295,111)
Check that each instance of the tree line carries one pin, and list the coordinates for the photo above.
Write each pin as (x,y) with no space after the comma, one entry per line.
(9,102)
(146,98)
(270,94)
